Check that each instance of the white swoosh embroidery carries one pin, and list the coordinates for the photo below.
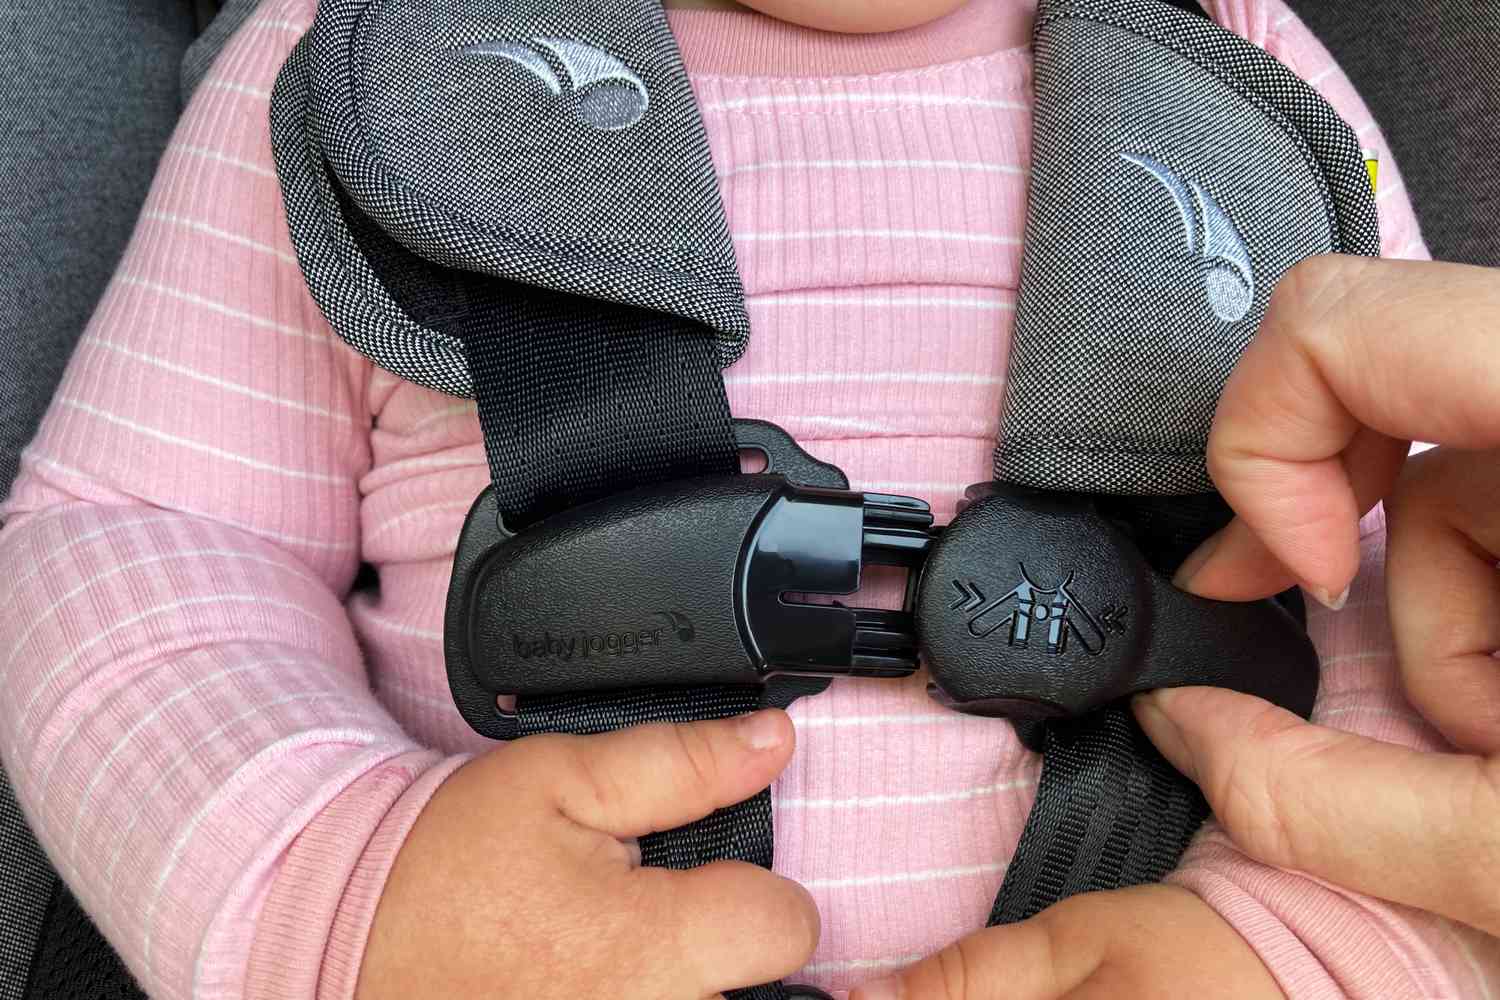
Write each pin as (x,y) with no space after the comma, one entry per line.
(610,94)
(520,54)
(1229,282)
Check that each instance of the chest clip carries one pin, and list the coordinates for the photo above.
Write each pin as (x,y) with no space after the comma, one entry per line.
(724,580)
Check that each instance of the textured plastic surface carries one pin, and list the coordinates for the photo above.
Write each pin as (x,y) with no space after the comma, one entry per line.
(681,584)
(1033,605)
(785,456)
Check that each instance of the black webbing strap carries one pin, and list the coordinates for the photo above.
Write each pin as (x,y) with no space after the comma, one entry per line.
(579,399)
(1110,811)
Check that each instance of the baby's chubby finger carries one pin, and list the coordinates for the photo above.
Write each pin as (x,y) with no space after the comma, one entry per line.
(729,925)
(719,927)
(1336,805)
(1043,958)
(1354,358)
(661,776)
(1147,941)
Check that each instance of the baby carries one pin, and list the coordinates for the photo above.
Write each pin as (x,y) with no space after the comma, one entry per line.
(254,776)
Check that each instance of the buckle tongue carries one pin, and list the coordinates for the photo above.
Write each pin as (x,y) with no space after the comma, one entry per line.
(1033,605)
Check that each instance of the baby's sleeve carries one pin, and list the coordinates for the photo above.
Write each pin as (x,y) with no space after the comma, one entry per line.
(1318,940)
(184,710)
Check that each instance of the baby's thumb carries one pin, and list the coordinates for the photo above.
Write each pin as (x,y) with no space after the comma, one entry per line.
(1337,805)
(660,776)
(1043,958)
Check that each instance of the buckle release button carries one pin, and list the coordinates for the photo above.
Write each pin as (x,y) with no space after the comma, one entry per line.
(1033,605)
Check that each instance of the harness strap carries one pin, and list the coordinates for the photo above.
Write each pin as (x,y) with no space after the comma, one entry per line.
(578,402)
(579,399)
(1110,811)
(1123,342)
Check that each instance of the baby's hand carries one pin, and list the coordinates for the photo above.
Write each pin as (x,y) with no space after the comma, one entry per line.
(1151,941)
(520,877)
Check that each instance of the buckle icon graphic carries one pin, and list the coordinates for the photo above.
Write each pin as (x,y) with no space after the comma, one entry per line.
(1030,612)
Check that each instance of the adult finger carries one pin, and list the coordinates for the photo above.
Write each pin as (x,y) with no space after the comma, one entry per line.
(1237,565)
(733,924)
(1337,805)
(1444,592)
(1350,347)
(657,777)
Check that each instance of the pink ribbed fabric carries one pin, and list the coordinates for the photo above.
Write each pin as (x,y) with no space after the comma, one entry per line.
(222,749)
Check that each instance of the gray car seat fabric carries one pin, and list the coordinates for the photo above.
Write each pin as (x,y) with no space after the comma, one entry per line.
(202,53)
(25,888)
(89,93)
(1430,73)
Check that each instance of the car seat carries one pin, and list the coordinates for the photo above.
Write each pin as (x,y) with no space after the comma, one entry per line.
(79,143)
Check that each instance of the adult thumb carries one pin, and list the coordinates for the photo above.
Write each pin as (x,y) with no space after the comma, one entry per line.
(1417,828)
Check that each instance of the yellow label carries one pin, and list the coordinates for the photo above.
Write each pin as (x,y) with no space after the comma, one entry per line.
(1372,166)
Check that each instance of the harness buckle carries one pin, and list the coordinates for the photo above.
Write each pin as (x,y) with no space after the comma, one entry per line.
(1030,605)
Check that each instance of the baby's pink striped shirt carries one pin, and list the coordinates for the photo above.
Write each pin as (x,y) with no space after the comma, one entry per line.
(222,749)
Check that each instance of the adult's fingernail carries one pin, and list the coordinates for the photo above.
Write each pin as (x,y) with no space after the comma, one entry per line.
(632,851)
(1194,563)
(1159,727)
(880,989)
(761,730)
(1326,598)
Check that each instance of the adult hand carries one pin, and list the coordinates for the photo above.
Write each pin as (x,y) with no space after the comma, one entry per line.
(520,878)
(1356,358)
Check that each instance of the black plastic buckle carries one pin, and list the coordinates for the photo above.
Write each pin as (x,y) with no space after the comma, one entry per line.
(683,584)
(1034,605)
(1029,605)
